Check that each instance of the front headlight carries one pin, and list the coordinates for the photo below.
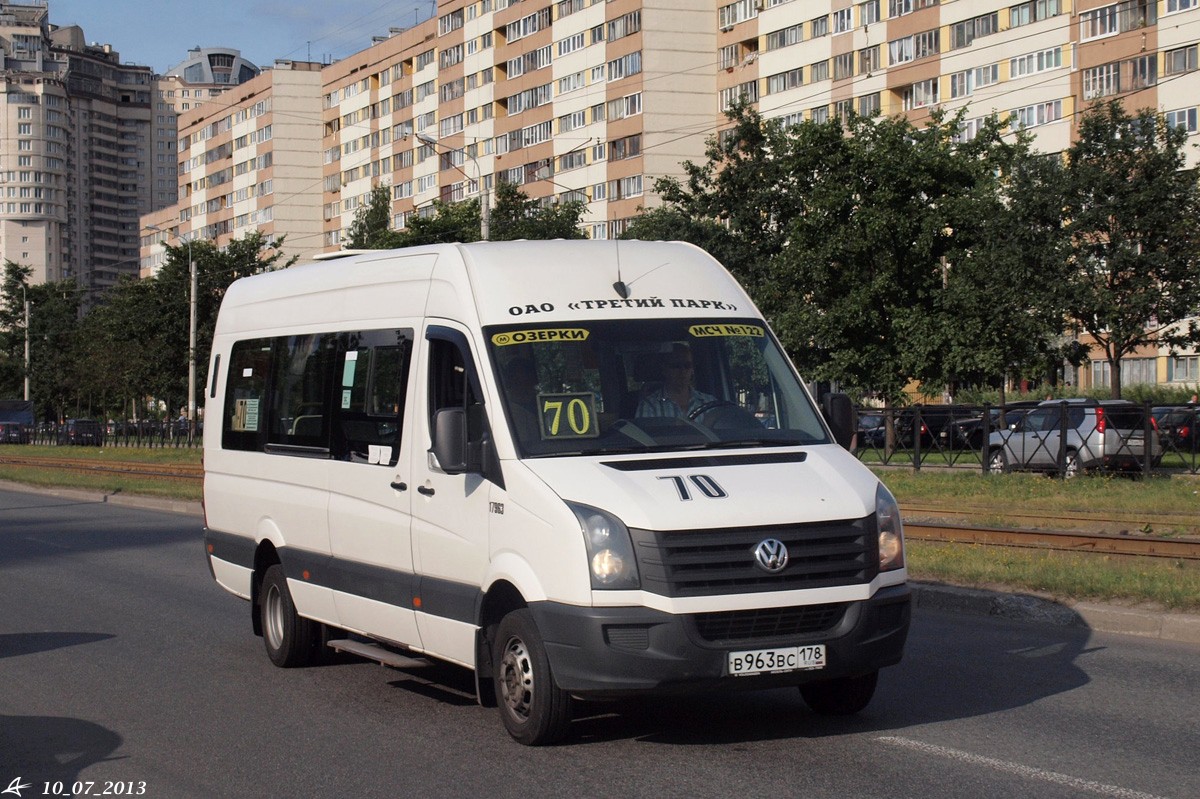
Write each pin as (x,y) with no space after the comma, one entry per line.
(891,530)
(609,548)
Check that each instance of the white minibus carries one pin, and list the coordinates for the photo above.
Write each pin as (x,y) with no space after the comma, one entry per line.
(581,469)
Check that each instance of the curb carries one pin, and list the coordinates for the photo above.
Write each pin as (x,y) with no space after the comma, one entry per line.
(182,506)
(1166,626)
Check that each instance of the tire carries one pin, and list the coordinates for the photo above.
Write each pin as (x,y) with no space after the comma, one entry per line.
(535,711)
(843,696)
(1071,465)
(291,641)
(997,462)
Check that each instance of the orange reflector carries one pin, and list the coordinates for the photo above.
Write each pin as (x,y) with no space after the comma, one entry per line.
(305,574)
(416,602)
(210,549)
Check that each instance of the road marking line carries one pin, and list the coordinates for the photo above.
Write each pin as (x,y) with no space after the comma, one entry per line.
(1019,770)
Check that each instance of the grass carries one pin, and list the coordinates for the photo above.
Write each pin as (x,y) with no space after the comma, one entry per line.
(1166,583)
(1176,494)
(1173,584)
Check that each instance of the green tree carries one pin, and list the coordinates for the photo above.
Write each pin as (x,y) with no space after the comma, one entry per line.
(168,305)
(372,225)
(738,203)
(12,329)
(515,216)
(1002,304)
(1132,238)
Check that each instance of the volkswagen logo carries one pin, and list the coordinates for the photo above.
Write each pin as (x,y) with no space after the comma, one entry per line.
(771,555)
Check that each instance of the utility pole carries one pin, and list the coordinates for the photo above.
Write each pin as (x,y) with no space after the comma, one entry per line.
(26,300)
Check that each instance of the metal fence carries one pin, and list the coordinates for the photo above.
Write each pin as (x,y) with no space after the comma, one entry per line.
(90,433)
(1066,437)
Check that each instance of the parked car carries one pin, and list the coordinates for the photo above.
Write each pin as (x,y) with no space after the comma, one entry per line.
(83,432)
(968,432)
(1179,428)
(1100,434)
(13,433)
(936,426)
(871,430)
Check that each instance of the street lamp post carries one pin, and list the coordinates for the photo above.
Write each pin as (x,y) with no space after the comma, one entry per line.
(191,407)
(484,210)
(25,301)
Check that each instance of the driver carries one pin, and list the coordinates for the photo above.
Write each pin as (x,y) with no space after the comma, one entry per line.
(676,398)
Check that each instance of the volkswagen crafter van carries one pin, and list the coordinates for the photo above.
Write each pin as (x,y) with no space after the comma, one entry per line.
(581,469)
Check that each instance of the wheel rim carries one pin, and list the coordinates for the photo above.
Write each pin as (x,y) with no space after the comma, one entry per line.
(1071,465)
(516,678)
(273,617)
(997,463)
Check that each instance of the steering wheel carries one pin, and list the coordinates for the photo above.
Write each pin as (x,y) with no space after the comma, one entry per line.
(708,406)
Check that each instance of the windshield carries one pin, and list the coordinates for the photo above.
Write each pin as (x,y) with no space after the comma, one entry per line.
(649,385)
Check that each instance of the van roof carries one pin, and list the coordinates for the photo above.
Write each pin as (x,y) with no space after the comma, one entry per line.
(510,282)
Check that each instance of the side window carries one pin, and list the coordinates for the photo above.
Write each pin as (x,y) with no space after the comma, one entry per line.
(453,383)
(447,377)
(300,412)
(244,425)
(373,383)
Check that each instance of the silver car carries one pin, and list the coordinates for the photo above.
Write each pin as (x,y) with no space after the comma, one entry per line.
(1099,434)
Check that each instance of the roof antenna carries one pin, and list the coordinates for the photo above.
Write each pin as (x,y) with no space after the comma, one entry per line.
(620,287)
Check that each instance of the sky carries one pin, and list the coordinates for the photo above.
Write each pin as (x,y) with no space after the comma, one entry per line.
(158,33)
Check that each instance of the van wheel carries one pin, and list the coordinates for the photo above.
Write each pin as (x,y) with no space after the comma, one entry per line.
(290,639)
(843,696)
(997,463)
(534,709)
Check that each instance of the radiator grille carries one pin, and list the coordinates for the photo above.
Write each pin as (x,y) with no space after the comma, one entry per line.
(767,623)
(684,563)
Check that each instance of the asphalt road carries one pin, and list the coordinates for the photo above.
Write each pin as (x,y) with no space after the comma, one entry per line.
(123,666)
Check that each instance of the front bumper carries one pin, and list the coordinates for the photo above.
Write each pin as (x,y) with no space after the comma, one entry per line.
(615,651)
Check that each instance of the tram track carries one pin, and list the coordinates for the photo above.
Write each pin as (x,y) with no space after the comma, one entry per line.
(1056,531)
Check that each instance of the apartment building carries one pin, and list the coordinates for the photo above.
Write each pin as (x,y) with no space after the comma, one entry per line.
(73,152)
(582,99)
(248,161)
(204,75)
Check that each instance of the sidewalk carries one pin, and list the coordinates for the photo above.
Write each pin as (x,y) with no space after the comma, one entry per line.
(1098,616)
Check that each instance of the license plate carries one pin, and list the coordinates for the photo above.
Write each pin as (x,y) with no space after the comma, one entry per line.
(770,661)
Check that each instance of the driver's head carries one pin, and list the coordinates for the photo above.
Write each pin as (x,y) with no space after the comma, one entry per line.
(677,368)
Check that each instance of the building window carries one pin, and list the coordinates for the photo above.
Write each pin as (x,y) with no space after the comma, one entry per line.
(1182,118)
(1033,11)
(843,66)
(1178,61)
(921,94)
(1101,81)
(963,33)
(785,37)
(1098,22)
(783,81)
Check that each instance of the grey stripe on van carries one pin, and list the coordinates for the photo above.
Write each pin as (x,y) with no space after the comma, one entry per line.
(444,598)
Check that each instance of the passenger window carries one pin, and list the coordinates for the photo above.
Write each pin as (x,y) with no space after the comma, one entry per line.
(244,425)
(300,394)
(373,383)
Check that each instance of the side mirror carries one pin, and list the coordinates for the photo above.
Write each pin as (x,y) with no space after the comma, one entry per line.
(450,440)
(839,413)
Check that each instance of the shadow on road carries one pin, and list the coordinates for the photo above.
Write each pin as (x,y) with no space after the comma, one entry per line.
(41,749)
(13,644)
